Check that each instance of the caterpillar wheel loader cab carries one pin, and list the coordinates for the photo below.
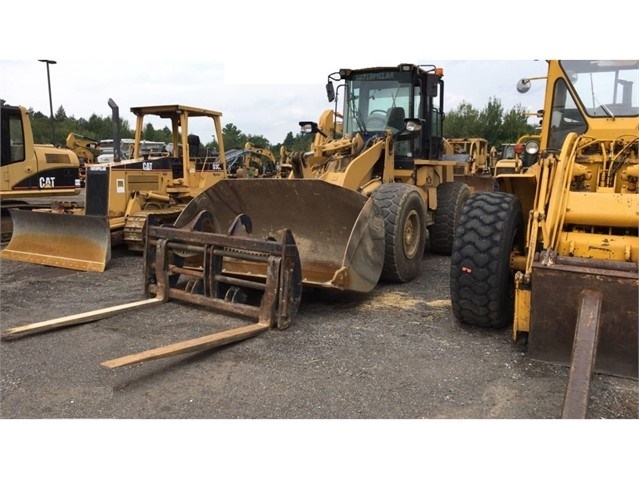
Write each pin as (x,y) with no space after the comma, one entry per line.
(30,170)
(120,195)
(555,252)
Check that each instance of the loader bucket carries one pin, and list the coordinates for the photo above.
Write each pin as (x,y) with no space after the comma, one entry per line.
(339,232)
(553,320)
(69,241)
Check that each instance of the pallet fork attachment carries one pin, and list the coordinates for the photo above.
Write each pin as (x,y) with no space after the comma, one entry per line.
(584,352)
(172,253)
(593,329)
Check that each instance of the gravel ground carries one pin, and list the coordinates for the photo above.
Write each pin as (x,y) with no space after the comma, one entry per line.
(396,353)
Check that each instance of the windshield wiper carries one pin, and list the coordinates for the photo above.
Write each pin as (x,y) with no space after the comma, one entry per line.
(358,118)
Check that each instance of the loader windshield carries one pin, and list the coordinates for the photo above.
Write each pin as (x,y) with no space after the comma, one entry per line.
(606,88)
(377,101)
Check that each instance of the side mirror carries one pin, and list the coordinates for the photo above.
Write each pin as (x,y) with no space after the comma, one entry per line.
(523,85)
(330,91)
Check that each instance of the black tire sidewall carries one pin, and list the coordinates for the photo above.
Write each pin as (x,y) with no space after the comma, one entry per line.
(481,279)
(450,199)
(397,201)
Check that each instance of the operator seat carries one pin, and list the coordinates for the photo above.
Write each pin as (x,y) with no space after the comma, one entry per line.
(396,116)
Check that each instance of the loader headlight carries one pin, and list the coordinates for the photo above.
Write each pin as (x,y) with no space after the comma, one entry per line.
(308,126)
(532,147)
(412,124)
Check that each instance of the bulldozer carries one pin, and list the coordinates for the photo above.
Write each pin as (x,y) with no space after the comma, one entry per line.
(555,252)
(29,170)
(121,194)
(356,209)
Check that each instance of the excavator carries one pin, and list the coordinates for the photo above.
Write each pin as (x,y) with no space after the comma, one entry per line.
(555,252)
(85,148)
(29,170)
(122,194)
(356,209)
(252,162)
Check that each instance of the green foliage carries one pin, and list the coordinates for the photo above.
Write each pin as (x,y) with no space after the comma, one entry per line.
(465,121)
(233,137)
(298,142)
(491,123)
(95,127)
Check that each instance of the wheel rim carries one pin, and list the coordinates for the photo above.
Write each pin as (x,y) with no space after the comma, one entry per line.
(411,234)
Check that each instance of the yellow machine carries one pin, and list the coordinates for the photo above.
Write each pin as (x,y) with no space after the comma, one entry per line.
(474,166)
(120,195)
(516,157)
(354,210)
(556,251)
(361,203)
(85,148)
(29,170)
(253,162)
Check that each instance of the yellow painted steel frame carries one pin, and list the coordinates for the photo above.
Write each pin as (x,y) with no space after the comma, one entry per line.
(575,215)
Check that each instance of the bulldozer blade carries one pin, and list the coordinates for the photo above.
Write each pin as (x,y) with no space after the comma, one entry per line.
(77,242)
(553,320)
(339,232)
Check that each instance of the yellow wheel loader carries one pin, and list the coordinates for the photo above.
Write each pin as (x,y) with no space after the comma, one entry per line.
(30,170)
(516,157)
(555,252)
(361,204)
(120,195)
(356,209)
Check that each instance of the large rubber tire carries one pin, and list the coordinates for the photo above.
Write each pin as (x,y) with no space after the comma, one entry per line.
(404,215)
(482,283)
(450,199)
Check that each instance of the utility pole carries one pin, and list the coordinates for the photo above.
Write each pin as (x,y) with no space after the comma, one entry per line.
(50,62)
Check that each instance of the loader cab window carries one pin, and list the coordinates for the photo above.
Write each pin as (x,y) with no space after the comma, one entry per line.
(377,101)
(565,116)
(13,149)
(380,101)
(605,88)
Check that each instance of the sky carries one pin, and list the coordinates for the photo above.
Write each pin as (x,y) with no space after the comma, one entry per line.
(268,105)
(264,64)
(266,74)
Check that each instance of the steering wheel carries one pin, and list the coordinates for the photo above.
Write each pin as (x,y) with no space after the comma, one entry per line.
(376,120)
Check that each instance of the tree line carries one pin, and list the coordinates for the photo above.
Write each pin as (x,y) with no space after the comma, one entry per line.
(492,122)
